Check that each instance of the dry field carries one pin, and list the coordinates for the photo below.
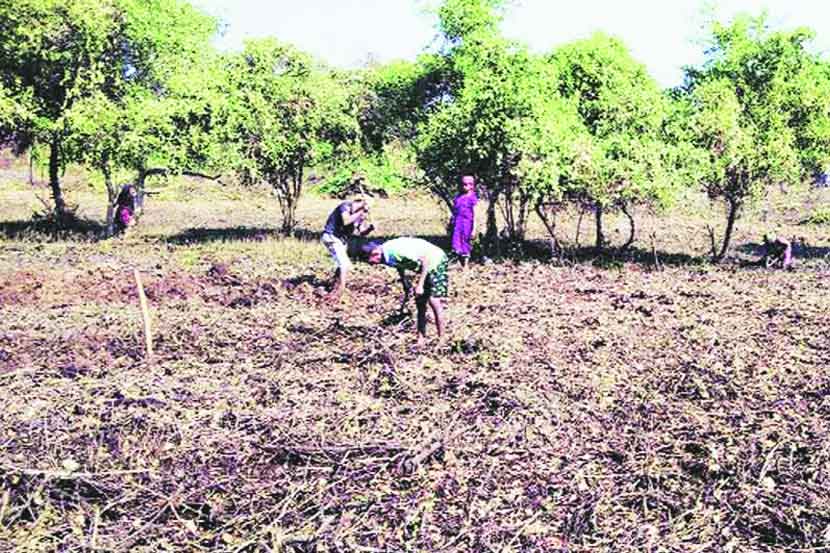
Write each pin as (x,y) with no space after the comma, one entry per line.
(582,404)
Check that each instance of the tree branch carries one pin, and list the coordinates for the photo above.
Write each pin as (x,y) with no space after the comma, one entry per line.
(164,171)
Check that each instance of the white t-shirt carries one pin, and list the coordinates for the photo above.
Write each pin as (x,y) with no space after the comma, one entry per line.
(406,253)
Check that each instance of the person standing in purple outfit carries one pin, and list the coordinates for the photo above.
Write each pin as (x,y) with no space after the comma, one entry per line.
(464,219)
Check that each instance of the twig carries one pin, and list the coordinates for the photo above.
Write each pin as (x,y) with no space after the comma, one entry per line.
(95,521)
(520,530)
(4,504)
(713,248)
(767,461)
(657,265)
(145,314)
(66,475)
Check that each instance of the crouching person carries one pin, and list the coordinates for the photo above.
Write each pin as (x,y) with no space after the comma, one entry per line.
(125,208)
(778,252)
(347,219)
(431,283)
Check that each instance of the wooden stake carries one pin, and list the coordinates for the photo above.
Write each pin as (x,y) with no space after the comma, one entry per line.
(145,314)
(657,265)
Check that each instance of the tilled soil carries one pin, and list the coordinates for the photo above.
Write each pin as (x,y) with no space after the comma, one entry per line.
(570,408)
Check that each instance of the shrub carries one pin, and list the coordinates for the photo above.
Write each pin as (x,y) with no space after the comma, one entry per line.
(819,216)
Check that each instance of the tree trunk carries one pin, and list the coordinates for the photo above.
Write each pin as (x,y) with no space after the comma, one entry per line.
(523,212)
(54,179)
(550,225)
(600,237)
(730,226)
(288,203)
(112,196)
(140,179)
(631,228)
(491,234)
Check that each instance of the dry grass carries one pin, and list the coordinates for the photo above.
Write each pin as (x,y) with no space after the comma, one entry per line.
(591,404)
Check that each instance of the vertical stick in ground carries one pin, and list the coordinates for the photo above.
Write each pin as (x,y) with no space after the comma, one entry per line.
(145,315)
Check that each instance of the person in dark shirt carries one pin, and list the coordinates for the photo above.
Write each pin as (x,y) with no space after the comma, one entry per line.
(347,219)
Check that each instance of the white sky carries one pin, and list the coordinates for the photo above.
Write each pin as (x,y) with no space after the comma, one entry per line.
(663,34)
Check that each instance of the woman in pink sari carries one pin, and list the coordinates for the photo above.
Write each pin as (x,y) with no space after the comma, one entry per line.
(464,219)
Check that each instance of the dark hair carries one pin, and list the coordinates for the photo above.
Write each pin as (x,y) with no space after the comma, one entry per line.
(367,248)
(125,197)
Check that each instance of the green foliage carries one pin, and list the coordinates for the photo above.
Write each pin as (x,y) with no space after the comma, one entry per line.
(389,173)
(398,96)
(162,116)
(166,39)
(460,19)
(284,113)
(757,114)
(499,117)
(57,52)
(91,75)
(54,53)
(584,125)
(14,112)
(819,216)
(623,158)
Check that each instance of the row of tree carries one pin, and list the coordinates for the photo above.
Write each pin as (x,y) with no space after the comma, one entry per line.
(135,85)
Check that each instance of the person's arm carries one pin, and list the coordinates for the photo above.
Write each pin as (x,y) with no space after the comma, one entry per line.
(353,215)
(406,289)
(422,276)
(365,228)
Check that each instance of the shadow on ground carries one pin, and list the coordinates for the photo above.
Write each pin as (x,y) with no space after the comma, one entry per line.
(539,250)
(801,250)
(227,234)
(310,279)
(70,229)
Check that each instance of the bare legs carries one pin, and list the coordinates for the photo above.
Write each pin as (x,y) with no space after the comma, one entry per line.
(338,285)
(421,303)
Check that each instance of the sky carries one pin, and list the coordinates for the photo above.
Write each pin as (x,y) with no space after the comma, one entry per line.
(665,35)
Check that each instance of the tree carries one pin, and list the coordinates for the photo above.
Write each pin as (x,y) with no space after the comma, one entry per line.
(623,160)
(283,114)
(162,120)
(498,116)
(55,52)
(396,97)
(756,113)
(10,112)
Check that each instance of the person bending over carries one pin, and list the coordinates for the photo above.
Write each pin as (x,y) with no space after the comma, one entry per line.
(432,282)
(347,219)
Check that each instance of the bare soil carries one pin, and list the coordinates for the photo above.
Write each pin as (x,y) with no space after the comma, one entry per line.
(590,403)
